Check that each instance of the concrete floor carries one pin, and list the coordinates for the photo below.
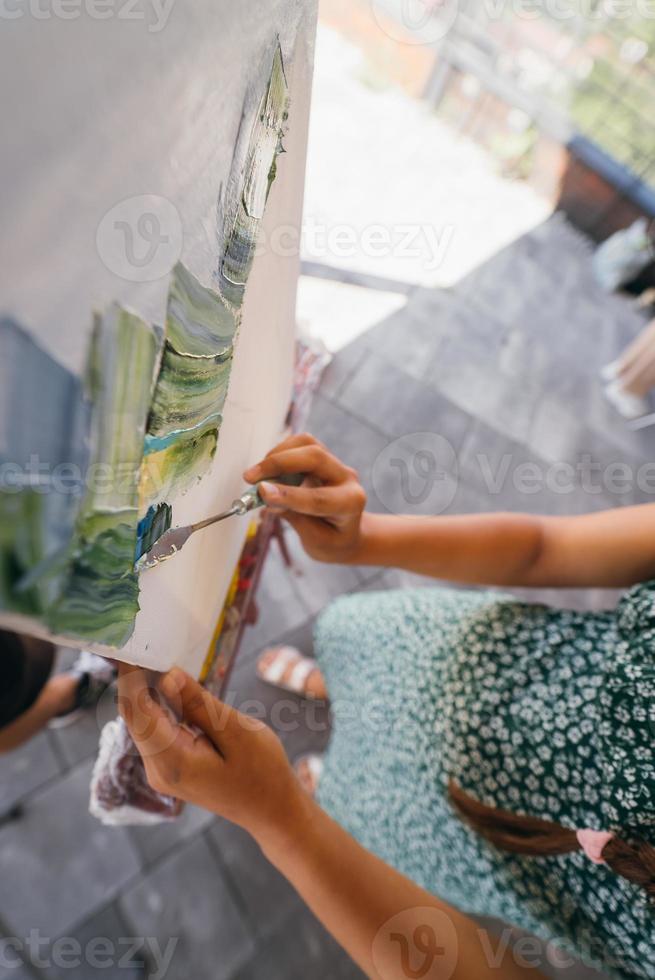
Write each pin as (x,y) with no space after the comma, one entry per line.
(503,369)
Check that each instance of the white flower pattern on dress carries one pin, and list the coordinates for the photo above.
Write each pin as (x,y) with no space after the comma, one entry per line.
(541,711)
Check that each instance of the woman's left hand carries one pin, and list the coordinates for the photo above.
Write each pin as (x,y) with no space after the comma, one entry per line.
(228,763)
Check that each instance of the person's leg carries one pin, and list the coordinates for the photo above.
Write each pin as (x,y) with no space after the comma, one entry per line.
(57,697)
(626,363)
(640,378)
(309,769)
(31,697)
(286,668)
(633,376)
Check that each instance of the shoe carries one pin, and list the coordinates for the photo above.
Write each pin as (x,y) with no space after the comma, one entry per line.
(628,405)
(286,668)
(95,675)
(309,769)
(611,371)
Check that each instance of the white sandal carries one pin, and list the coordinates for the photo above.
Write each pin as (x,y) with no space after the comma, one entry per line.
(296,683)
(315,766)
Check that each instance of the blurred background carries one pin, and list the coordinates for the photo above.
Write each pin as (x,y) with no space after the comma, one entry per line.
(476,256)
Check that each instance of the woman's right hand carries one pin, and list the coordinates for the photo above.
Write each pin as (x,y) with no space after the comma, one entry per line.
(327,509)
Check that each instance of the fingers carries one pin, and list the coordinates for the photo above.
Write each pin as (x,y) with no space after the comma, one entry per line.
(318,532)
(192,703)
(312,460)
(339,501)
(293,442)
(147,722)
(303,441)
(196,706)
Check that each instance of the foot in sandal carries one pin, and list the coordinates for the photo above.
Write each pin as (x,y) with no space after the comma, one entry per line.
(309,769)
(287,668)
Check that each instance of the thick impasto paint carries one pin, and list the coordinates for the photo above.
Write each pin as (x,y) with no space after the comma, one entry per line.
(191,388)
(262,142)
(99,596)
(150,528)
(141,432)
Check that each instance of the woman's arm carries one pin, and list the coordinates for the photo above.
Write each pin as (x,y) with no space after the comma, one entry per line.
(237,768)
(611,549)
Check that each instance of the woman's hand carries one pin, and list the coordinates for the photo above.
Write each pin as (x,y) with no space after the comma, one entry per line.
(228,763)
(327,509)
(236,767)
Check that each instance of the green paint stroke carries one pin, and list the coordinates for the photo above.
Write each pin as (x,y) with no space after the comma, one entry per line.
(199,323)
(174,469)
(101,597)
(191,387)
(100,590)
(22,548)
(120,379)
(148,441)
(264,146)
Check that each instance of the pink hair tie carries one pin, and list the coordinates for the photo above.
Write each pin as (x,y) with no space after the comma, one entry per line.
(593,842)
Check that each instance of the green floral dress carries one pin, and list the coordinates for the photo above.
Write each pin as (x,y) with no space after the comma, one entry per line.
(536,710)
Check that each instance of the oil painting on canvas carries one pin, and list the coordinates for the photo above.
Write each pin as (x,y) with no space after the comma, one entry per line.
(133,401)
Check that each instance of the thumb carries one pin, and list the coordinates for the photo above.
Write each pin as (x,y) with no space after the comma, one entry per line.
(196,706)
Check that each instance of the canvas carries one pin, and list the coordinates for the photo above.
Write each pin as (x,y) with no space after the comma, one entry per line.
(147,346)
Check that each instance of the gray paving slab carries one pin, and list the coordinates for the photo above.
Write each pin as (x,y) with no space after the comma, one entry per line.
(559,432)
(300,949)
(152,843)
(386,398)
(23,771)
(416,475)
(512,476)
(413,336)
(476,384)
(266,896)
(343,364)
(57,863)
(469,500)
(357,443)
(79,741)
(13,963)
(535,954)
(523,356)
(186,906)
(100,947)
(316,582)
(15,972)
(493,286)
(451,314)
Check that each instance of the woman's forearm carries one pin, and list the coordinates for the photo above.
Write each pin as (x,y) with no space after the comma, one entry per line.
(376,913)
(608,549)
(486,549)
